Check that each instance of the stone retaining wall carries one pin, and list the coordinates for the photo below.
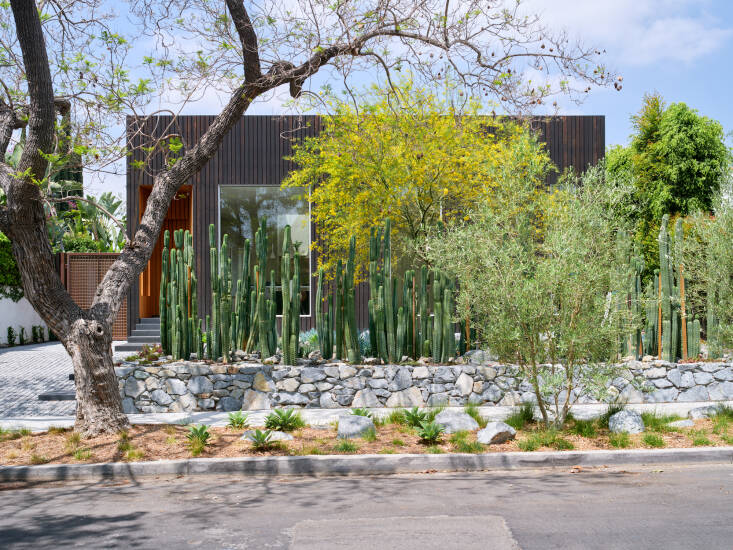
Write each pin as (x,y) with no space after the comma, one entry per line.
(199,386)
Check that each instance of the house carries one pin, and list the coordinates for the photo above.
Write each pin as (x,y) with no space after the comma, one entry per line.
(242,183)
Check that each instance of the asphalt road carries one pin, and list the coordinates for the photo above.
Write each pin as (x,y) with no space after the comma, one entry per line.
(686,507)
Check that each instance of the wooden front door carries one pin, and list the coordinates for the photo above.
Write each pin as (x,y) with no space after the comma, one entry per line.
(179,217)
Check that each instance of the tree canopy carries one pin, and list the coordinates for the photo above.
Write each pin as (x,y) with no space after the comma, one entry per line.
(410,155)
(676,162)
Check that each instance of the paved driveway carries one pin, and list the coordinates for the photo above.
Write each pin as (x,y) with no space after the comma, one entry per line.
(26,371)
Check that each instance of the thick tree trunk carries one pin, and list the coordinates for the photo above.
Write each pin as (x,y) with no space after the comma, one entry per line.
(98,404)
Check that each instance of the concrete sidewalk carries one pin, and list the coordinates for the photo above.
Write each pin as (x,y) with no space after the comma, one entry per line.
(324,417)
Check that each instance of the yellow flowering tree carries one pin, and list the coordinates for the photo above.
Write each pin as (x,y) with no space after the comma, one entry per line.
(409,155)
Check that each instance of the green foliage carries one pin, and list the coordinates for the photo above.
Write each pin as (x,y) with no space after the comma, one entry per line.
(619,440)
(346,446)
(471,409)
(584,428)
(534,276)
(81,243)
(11,336)
(415,417)
(370,435)
(10,284)
(22,340)
(656,422)
(653,440)
(545,438)
(284,420)
(521,417)
(398,442)
(434,450)
(397,416)
(238,420)
(262,440)
(198,437)
(430,432)
(675,163)
(361,411)
(462,445)
(403,155)
(700,438)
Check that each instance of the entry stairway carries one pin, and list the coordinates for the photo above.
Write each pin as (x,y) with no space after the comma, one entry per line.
(147,332)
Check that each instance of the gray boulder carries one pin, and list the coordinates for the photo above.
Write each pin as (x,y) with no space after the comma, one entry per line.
(274,436)
(702,412)
(365,398)
(456,421)
(161,398)
(626,421)
(255,400)
(350,426)
(200,384)
(495,432)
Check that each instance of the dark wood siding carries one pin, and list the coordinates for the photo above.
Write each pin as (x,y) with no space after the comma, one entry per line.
(253,154)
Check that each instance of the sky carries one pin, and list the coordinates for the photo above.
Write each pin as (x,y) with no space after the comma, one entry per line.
(682,49)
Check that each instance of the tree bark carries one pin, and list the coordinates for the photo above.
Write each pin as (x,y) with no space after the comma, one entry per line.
(98,404)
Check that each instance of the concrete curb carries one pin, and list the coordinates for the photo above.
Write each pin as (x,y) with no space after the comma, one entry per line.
(340,465)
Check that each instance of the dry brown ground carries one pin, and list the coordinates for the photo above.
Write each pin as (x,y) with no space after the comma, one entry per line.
(158,442)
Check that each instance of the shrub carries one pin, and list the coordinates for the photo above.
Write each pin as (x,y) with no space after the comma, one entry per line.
(534,270)
(22,340)
(11,336)
(198,437)
(238,420)
(10,283)
(653,440)
(545,438)
(361,411)
(521,417)
(415,417)
(430,432)
(284,420)
(619,440)
(262,440)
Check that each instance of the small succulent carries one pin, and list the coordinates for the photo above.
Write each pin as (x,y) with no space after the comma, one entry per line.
(285,420)
(415,417)
(361,411)
(261,440)
(238,420)
(430,432)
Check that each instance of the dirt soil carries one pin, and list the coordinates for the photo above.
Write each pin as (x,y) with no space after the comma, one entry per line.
(159,442)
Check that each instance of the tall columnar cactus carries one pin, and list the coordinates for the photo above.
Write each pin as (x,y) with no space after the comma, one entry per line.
(163,297)
(323,325)
(338,318)
(289,283)
(351,334)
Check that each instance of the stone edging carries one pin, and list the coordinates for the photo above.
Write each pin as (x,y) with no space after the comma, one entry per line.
(364,464)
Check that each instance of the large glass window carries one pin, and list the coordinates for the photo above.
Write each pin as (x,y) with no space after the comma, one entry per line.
(242,207)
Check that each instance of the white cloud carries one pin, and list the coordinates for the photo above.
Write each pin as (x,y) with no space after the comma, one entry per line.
(639,32)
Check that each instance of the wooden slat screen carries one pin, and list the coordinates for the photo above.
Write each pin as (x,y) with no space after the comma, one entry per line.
(81,272)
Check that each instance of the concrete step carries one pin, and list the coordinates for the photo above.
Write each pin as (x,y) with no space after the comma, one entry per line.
(57,396)
(143,332)
(150,321)
(143,339)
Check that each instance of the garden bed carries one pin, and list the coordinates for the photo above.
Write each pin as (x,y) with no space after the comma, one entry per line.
(392,436)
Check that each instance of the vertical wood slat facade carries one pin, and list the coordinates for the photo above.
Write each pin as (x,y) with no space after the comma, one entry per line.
(253,153)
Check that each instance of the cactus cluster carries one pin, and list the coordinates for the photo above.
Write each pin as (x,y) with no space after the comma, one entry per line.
(407,330)
(669,333)
(631,344)
(290,285)
(179,328)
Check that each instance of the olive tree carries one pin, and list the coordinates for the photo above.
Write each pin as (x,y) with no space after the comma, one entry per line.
(63,56)
(537,276)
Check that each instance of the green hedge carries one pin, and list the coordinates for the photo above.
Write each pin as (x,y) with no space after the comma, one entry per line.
(10,286)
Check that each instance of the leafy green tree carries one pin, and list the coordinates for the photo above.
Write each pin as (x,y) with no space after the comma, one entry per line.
(407,154)
(676,162)
(534,277)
